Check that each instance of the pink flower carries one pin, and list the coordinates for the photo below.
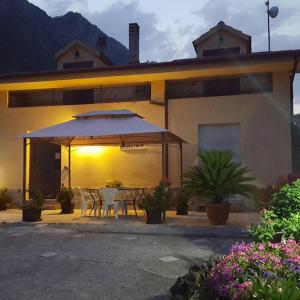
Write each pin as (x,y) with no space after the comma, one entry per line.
(231,276)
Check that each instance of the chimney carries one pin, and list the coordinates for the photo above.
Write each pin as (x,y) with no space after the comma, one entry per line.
(134,43)
(102,44)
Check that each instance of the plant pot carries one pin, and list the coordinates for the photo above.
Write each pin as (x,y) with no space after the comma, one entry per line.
(3,206)
(67,208)
(218,213)
(182,210)
(31,215)
(154,217)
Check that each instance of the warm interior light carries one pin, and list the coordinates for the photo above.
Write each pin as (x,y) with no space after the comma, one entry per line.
(90,150)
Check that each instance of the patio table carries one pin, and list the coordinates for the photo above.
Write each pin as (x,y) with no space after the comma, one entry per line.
(137,194)
(93,191)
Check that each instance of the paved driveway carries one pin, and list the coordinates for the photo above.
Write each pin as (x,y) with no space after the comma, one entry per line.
(60,262)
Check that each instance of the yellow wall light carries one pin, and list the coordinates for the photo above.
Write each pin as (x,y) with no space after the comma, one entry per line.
(90,150)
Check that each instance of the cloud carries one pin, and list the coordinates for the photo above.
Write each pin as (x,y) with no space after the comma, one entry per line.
(251,18)
(60,7)
(156,44)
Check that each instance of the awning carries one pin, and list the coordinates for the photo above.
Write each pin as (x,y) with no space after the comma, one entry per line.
(109,127)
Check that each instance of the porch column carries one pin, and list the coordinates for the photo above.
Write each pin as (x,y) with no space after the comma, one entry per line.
(180,149)
(24,168)
(163,159)
(69,165)
(163,162)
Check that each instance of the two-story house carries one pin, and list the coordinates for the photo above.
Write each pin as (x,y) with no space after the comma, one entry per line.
(226,98)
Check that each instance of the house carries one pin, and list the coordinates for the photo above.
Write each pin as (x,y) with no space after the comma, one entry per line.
(225,98)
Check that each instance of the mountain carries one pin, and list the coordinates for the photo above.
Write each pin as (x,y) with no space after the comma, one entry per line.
(29,38)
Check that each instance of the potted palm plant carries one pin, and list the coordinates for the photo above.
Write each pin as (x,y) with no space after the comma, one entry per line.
(32,209)
(65,198)
(156,204)
(215,180)
(5,199)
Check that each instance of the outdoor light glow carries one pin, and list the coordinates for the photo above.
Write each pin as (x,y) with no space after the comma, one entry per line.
(90,150)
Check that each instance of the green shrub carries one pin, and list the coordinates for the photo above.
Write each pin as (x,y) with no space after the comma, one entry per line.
(274,229)
(37,199)
(158,201)
(5,199)
(266,230)
(287,200)
(291,227)
(116,183)
(284,289)
(65,195)
(264,194)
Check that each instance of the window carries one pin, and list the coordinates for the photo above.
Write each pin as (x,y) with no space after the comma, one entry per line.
(221,87)
(143,91)
(78,65)
(177,89)
(31,98)
(73,97)
(257,83)
(125,93)
(222,52)
(138,92)
(224,86)
(220,137)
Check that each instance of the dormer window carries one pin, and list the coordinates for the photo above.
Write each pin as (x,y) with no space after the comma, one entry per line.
(222,40)
(76,53)
(222,52)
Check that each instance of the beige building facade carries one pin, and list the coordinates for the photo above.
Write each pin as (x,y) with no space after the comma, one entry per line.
(242,104)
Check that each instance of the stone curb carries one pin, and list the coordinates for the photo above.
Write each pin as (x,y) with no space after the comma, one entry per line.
(163,230)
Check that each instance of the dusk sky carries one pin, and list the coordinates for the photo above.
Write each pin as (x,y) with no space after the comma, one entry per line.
(168,27)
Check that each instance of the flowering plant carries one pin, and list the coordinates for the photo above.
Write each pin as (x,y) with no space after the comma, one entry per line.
(233,275)
(273,228)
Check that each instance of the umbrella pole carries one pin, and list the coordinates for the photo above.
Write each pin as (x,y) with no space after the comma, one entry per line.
(24,168)
(69,165)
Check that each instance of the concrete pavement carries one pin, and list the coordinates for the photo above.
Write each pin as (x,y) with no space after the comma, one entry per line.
(75,261)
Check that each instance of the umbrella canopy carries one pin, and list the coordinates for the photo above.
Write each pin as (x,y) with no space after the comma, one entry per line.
(109,127)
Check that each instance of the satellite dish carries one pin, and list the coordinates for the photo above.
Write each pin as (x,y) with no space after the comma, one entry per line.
(273,11)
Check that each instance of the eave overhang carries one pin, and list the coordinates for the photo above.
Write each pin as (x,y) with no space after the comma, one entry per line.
(178,69)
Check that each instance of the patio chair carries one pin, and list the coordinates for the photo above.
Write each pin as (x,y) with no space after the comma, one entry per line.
(109,195)
(121,198)
(85,200)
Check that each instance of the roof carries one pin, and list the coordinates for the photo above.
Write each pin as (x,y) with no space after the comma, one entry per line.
(106,114)
(186,63)
(78,43)
(222,26)
(108,128)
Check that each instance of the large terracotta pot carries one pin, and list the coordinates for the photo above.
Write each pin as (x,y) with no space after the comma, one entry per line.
(218,213)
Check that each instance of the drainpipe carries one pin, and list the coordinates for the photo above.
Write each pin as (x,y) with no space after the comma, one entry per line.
(292,77)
